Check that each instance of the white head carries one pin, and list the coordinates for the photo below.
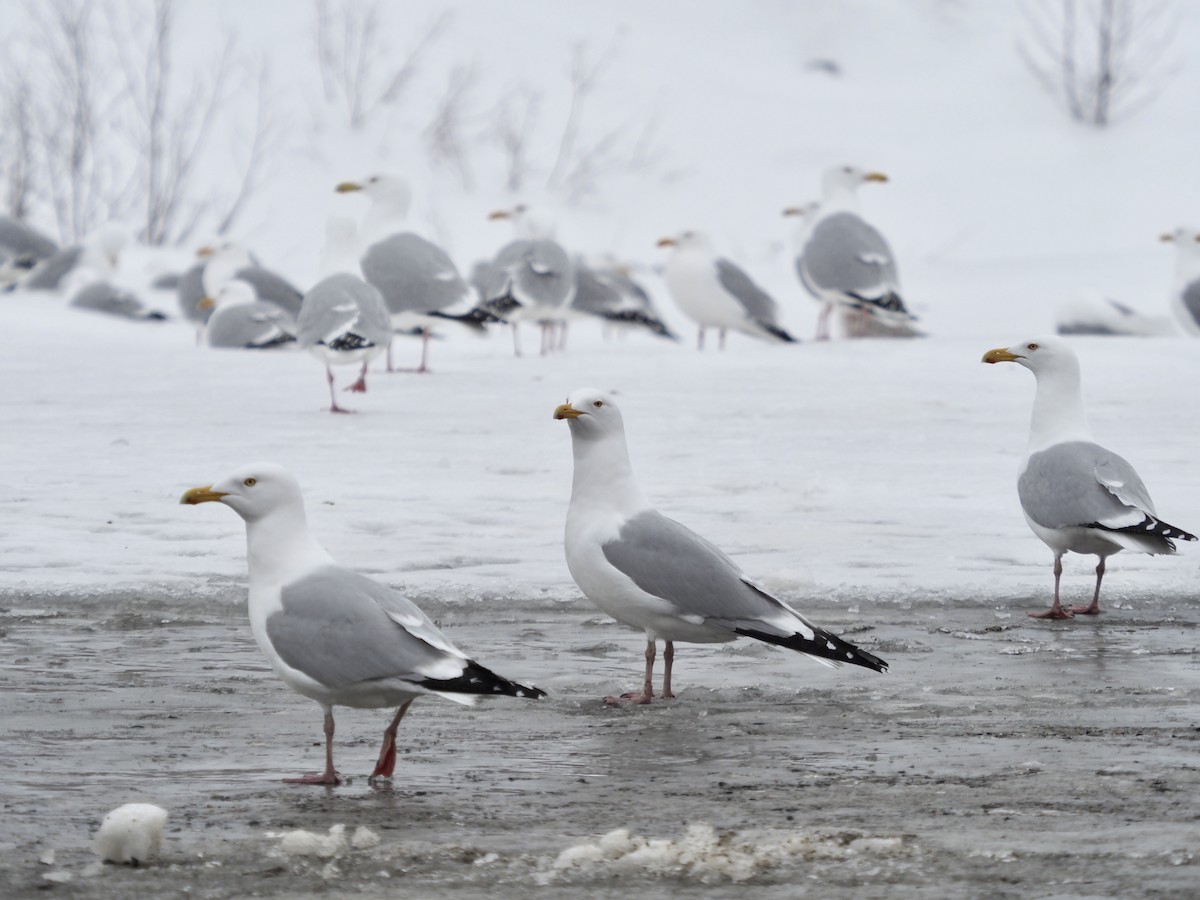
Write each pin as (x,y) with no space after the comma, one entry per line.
(592,414)
(530,223)
(804,212)
(1047,355)
(107,242)
(254,492)
(688,240)
(1187,240)
(384,188)
(843,179)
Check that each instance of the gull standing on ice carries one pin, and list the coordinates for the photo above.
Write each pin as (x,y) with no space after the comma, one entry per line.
(241,322)
(343,320)
(418,279)
(531,278)
(651,573)
(333,635)
(1076,495)
(1185,293)
(716,293)
(843,260)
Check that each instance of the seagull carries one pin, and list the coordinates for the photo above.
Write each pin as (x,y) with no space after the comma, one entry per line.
(1076,495)
(232,260)
(608,292)
(653,574)
(418,279)
(716,293)
(241,322)
(1185,293)
(843,260)
(100,252)
(531,278)
(335,636)
(21,248)
(343,319)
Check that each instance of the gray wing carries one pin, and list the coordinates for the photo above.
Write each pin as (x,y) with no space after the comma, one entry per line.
(535,273)
(343,310)
(667,560)
(1191,301)
(758,303)
(190,291)
(1079,483)
(413,274)
(272,288)
(593,295)
(104,297)
(341,629)
(846,254)
(50,272)
(250,326)
(21,242)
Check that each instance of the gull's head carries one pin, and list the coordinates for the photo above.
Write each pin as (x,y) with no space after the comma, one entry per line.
(1187,240)
(108,241)
(231,293)
(382,186)
(591,413)
(804,212)
(846,178)
(530,223)
(1041,355)
(253,492)
(688,240)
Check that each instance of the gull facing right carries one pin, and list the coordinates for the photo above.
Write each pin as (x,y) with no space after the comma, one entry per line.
(653,574)
(1076,495)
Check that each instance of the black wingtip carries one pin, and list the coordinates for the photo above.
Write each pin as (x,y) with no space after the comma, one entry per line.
(824,645)
(477,679)
(776,331)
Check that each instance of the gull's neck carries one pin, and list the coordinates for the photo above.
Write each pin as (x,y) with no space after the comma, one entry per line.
(839,197)
(1058,409)
(280,548)
(604,476)
(1187,264)
(386,216)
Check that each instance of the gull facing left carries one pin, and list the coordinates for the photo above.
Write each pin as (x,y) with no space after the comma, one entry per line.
(333,635)
(653,574)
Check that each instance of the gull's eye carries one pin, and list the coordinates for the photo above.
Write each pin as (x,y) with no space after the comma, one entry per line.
(250,482)
(1032,347)
(598,404)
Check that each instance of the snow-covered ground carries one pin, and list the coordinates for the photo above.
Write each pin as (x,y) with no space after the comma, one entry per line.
(863,470)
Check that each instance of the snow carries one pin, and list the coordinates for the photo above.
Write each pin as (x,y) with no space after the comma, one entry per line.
(844,470)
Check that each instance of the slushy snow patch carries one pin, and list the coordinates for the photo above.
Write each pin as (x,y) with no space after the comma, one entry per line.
(131,834)
(327,846)
(704,854)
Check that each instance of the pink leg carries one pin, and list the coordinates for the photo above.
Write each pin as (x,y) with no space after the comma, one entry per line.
(700,338)
(386,763)
(360,386)
(823,322)
(1056,611)
(647,694)
(1094,609)
(390,366)
(330,775)
(547,336)
(562,336)
(333,404)
(668,659)
(516,339)
(721,339)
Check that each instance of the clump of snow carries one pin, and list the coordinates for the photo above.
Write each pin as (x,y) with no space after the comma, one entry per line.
(706,855)
(131,834)
(333,845)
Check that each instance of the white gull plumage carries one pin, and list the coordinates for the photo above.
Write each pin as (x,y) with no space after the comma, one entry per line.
(333,635)
(1185,290)
(653,574)
(1076,495)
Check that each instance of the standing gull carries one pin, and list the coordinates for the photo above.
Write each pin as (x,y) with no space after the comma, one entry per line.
(1076,495)
(333,635)
(343,320)
(651,573)
(1185,293)
(531,278)
(417,278)
(607,292)
(843,260)
(716,293)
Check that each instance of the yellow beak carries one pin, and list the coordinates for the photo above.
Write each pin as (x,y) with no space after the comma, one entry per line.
(667,242)
(1000,355)
(875,176)
(347,187)
(566,411)
(1167,238)
(206,251)
(205,303)
(792,211)
(201,495)
(498,214)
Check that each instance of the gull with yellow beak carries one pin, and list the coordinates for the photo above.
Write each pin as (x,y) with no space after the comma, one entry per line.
(844,261)
(653,574)
(1077,496)
(333,635)
(1185,292)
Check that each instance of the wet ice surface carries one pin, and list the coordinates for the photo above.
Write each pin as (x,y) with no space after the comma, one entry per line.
(1000,755)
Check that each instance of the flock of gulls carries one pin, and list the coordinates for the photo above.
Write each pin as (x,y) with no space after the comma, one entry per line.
(343,639)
